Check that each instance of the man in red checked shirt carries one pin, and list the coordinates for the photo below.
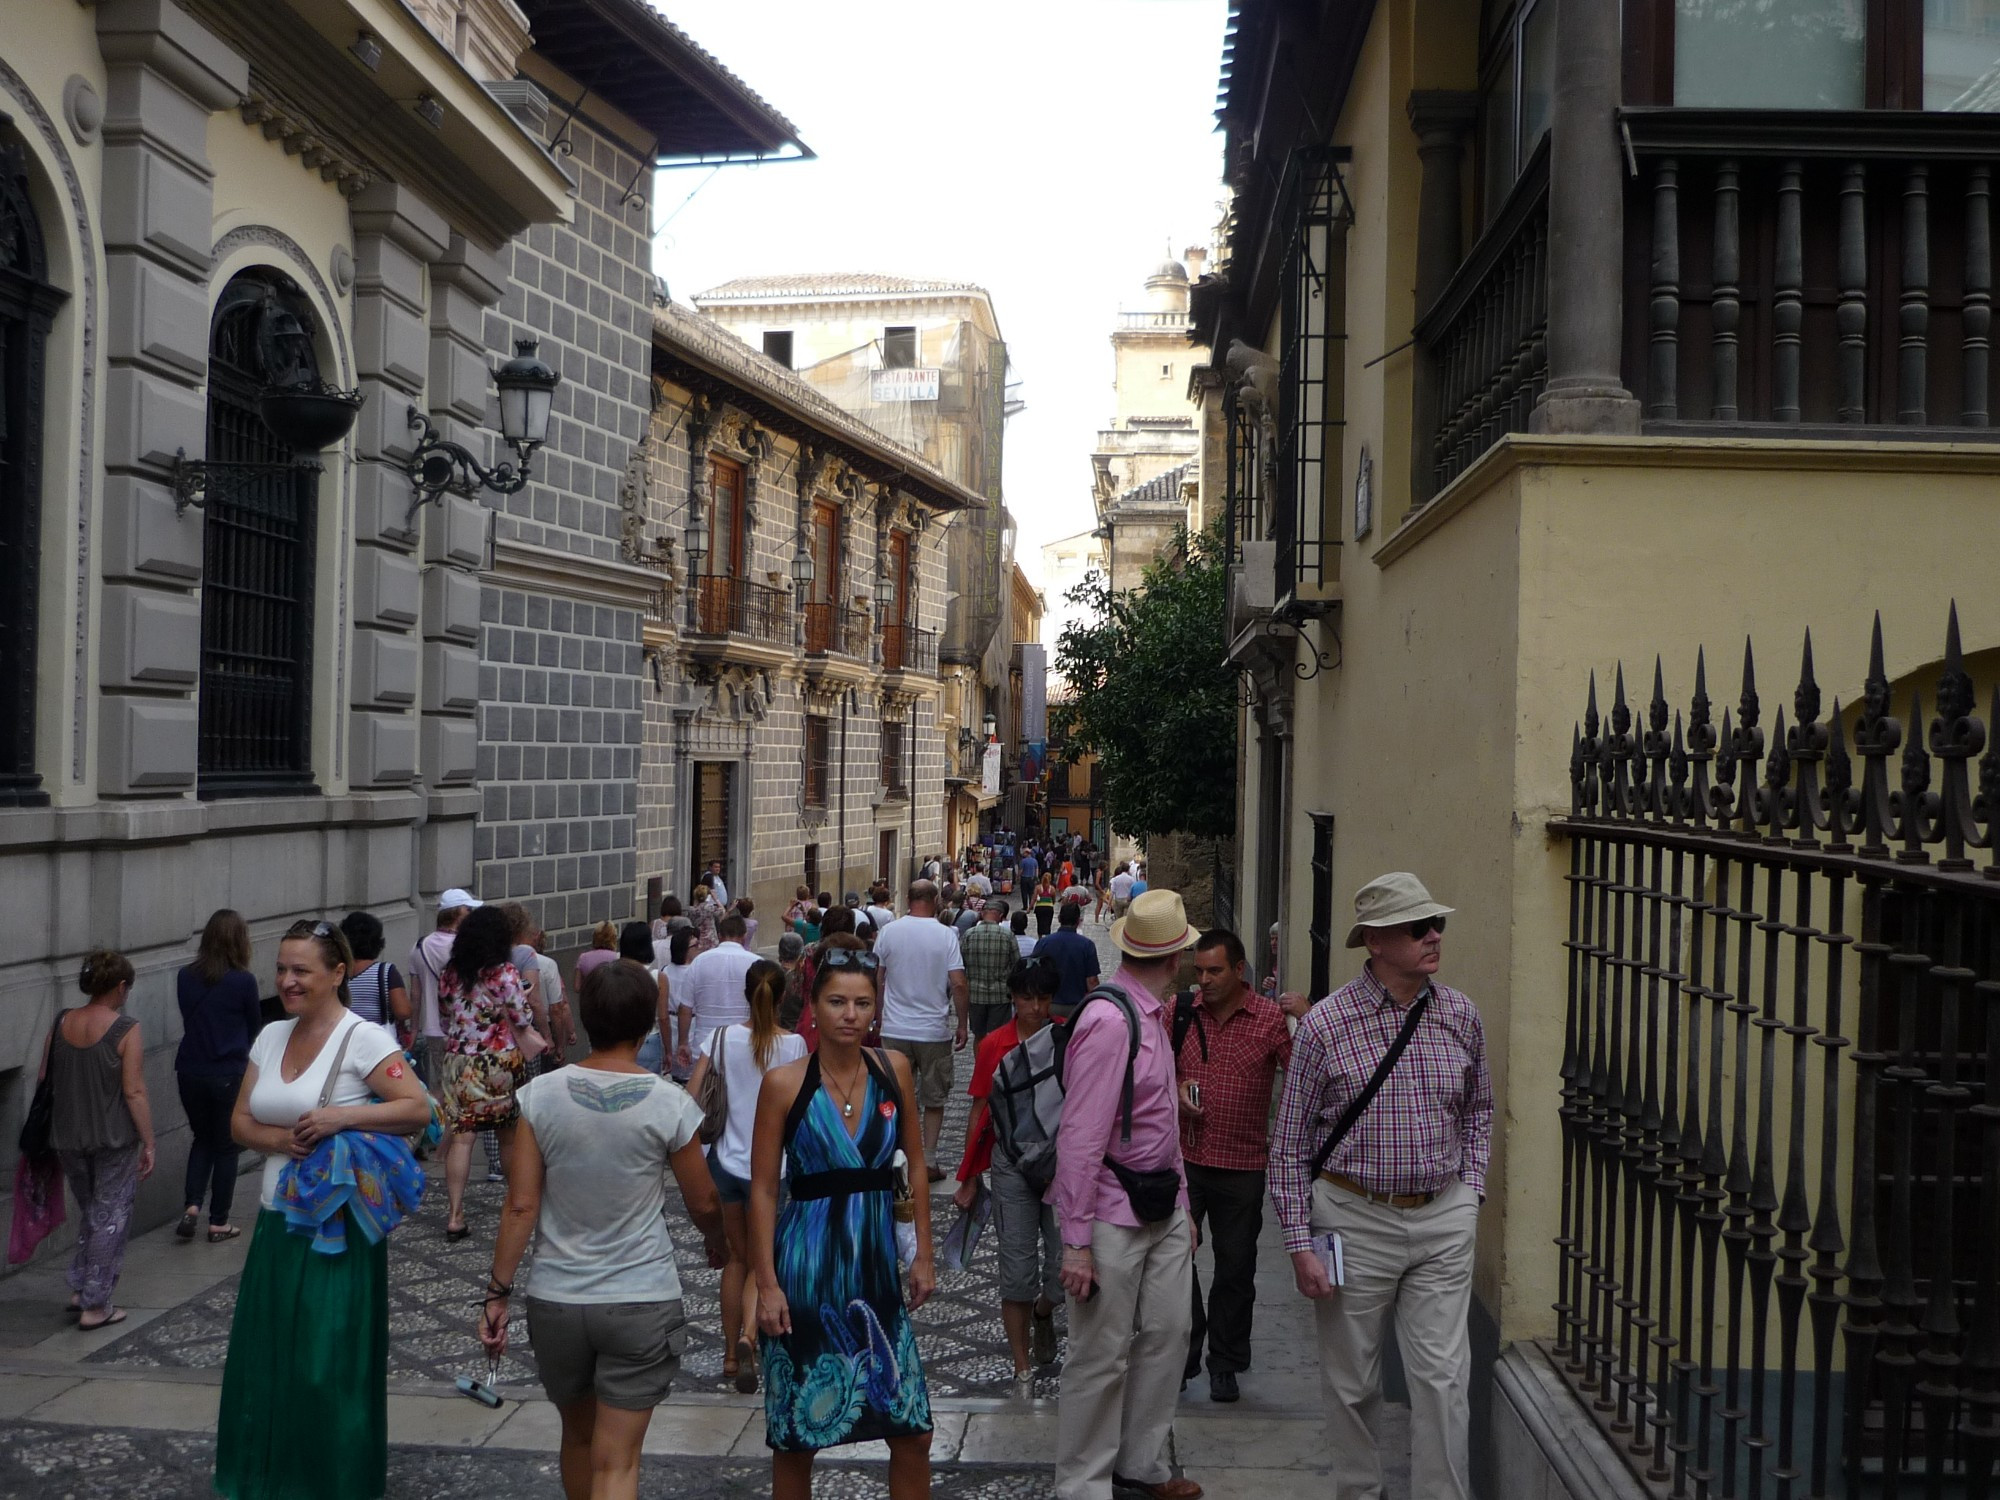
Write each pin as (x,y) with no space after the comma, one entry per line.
(1233,1045)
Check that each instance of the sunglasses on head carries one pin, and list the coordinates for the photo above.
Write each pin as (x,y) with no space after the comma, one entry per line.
(850,958)
(1422,929)
(303,928)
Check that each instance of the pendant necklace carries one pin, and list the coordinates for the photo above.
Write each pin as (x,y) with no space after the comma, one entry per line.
(846,1095)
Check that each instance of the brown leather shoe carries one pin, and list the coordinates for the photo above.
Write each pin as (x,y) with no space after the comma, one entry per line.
(1166,1489)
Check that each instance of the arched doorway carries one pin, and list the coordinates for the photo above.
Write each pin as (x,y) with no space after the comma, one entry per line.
(27,308)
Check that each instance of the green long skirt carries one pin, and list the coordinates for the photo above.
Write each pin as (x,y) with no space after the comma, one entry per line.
(305,1400)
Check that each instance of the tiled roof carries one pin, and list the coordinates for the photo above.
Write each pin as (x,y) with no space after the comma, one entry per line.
(829,284)
(702,338)
(1161,489)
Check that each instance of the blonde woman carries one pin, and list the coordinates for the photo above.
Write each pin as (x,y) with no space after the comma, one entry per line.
(746,1053)
(705,912)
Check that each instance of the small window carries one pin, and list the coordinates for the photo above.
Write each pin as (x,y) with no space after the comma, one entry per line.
(778,345)
(1166,372)
(899,348)
(817,739)
(892,756)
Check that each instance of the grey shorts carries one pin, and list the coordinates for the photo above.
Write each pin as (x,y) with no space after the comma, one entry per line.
(931,1063)
(1030,1249)
(626,1354)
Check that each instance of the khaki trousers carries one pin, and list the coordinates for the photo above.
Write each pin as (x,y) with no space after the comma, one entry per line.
(1127,1344)
(1417,1264)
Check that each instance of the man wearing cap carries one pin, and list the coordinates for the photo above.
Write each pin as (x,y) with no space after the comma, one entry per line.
(989,953)
(427,960)
(1401,1188)
(1127,1278)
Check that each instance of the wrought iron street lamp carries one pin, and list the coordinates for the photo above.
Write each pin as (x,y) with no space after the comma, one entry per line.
(992,727)
(885,591)
(802,571)
(440,467)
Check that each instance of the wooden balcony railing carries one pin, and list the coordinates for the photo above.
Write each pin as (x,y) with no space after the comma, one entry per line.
(907,649)
(1811,270)
(1485,339)
(837,629)
(736,606)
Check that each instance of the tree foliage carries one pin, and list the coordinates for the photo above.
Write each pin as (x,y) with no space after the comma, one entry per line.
(1147,688)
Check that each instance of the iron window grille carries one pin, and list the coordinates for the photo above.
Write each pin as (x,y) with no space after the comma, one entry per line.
(257,568)
(1310,364)
(1244,492)
(27,308)
(818,738)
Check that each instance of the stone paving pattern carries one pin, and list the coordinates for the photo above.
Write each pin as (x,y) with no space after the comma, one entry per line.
(119,1463)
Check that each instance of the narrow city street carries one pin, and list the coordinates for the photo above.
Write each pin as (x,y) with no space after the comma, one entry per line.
(131,1412)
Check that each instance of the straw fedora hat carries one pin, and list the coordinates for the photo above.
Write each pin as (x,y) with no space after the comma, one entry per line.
(1390,901)
(1154,926)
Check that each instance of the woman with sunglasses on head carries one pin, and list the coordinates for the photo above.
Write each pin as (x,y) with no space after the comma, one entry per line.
(305,1407)
(745,1052)
(839,1351)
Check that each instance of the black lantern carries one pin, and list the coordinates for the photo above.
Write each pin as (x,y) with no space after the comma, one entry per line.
(802,569)
(885,591)
(992,727)
(440,467)
(695,539)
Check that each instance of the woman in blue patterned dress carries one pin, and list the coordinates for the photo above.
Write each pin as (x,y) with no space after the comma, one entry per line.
(838,1350)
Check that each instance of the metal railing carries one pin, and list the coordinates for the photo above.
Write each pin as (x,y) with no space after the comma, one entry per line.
(1781,1091)
(908,649)
(1486,337)
(736,606)
(838,629)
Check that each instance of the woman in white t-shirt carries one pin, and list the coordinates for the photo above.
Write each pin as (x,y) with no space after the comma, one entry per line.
(747,1053)
(305,1406)
(588,1176)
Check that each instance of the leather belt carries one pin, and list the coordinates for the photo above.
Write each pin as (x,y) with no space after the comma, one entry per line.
(1393,1200)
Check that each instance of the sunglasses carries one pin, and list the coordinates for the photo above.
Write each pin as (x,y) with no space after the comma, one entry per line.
(850,958)
(303,928)
(1423,929)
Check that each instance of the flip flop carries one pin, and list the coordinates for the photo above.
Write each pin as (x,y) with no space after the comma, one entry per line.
(116,1315)
(216,1235)
(746,1366)
(455,1235)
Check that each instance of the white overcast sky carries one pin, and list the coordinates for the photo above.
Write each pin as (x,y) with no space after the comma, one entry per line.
(1049,150)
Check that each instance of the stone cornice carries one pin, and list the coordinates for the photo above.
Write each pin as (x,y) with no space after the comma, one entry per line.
(568,576)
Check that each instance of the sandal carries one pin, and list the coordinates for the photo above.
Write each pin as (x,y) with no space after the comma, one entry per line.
(746,1367)
(217,1233)
(455,1235)
(185,1229)
(116,1315)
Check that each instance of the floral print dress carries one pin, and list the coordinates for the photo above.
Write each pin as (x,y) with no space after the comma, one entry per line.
(483,1065)
(848,1371)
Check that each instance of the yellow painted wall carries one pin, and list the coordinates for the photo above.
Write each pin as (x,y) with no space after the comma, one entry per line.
(1139,387)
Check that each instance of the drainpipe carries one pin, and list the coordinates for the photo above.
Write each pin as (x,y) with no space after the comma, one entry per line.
(910,791)
(840,857)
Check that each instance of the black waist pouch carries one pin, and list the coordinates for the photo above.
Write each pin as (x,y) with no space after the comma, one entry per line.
(1154,1195)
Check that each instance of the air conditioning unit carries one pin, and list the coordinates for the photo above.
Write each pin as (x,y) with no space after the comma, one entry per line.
(1253,584)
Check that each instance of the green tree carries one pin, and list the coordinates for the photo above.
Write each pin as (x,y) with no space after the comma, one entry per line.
(1148,689)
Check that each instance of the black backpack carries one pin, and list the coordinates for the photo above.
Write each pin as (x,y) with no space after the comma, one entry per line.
(1028,1088)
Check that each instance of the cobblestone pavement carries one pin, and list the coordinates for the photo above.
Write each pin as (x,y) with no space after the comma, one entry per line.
(119,1463)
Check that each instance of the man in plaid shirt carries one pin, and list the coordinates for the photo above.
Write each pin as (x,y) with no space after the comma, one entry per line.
(1233,1045)
(1402,1190)
(989,952)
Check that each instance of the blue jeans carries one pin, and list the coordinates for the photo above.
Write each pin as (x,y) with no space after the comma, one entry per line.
(212,1152)
(652,1051)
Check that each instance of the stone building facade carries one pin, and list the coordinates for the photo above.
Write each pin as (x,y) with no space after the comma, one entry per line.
(791,718)
(241,667)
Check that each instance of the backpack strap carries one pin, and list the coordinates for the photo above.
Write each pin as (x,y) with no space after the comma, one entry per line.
(1362,1100)
(1123,1001)
(1187,1013)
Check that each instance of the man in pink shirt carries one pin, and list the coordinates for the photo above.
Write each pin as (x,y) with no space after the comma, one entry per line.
(1120,1196)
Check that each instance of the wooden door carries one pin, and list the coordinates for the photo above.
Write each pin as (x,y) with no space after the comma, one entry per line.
(823,609)
(895,629)
(720,588)
(711,815)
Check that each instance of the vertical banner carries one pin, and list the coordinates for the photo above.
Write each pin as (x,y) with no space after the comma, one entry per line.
(989,784)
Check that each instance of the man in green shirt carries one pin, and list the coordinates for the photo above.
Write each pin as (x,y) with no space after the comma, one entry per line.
(990,953)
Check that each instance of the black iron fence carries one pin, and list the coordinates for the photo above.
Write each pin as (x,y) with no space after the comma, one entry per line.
(908,649)
(1779,1268)
(736,606)
(839,629)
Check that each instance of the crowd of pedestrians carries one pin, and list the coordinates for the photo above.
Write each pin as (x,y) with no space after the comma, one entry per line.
(797,1098)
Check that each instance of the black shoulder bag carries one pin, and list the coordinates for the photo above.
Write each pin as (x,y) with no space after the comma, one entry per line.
(1380,1076)
(38,1128)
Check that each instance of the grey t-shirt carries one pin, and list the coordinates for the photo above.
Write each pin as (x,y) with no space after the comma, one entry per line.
(605,1140)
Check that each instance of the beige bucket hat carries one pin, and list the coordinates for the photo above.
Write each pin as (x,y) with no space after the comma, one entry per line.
(1390,901)
(1154,926)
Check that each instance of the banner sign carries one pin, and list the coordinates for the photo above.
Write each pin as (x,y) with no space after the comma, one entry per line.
(989,785)
(905,385)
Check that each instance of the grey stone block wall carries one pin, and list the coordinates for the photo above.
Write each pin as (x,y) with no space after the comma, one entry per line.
(560,721)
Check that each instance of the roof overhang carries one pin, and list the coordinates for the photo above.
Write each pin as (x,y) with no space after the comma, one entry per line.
(801,414)
(633,57)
